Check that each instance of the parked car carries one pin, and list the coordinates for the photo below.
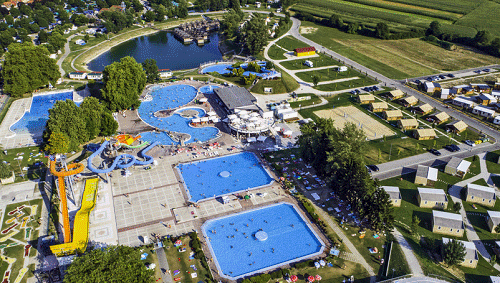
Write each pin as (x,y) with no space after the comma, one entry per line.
(368,168)
(486,70)
(435,152)
(451,75)
(418,81)
(469,142)
(373,168)
(352,92)
(452,148)
(357,91)
(477,71)
(376,88)
(442,77)
(147,168)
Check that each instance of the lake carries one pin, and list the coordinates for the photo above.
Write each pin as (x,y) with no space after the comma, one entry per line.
(162,46)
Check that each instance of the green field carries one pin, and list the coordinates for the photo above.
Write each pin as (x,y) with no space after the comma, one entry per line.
(282,85)
(276,53)
(314,100)
(362,81)
(321,61)
(290,43)
(330,74)
(481,18)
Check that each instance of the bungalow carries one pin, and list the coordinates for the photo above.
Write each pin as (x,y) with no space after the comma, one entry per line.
(481,87)
(424,134)
(494,279)
(431,87)
(440,117)
(496,121)
(432,198)
(493,219)
(447,93)
(481,194)
(447,223)
(97,76)
(341,69)
(426,176)
(457,167)
(486,99)
(165,73)
(407,124)
(424,109)
(459,88)
(496,86)
(79,75)
(392,115)
(496,94)
(304,51)
(378,106)
(483,111)
(409,101)
(395,94)
(463,101)
(394,195)
(457,126)
(471,258)
(366,98)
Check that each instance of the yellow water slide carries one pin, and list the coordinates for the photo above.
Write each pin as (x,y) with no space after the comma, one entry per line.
(73,169)
(81,225)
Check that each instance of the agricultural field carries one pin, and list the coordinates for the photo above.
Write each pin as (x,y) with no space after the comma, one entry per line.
(482,18)
(397,59)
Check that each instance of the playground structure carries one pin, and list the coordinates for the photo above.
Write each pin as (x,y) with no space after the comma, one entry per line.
(121,161)
(65,171)
(126,139)
(81,224)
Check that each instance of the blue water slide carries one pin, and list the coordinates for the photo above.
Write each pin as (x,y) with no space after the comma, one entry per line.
(122,161)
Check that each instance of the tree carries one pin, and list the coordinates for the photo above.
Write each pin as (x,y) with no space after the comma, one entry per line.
(237,72)
(377,209)
(113,264)
(315,80)
(336,21)
(454,252)
(5,170)
(91,112)
(28,67)
(382,31)
(352,27)
(123,84)
(58,143)
(415,221)
(253,67)
(57,41)
(152,74)
(254,34)
(230,23)
(269,65)
(457,206)
(108,124)
(65,117)
(249,79)
(149,16)
(483,38)
(434,29)
(43,36)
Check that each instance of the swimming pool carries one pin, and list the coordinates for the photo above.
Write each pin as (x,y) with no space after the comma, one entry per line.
(224,175)
(171,97)
(219,68)
(261,239)
(207,89)
(33,122)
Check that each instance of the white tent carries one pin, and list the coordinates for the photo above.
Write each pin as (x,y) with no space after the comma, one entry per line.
(232,117)
(254,114)
(196,120)
(243,112)
(288,133)
(244,116)
(215,119)
(237,110)
(211,113)
(251,139)
(261,138)
(277,129)
(253,119)
(203,100)
(204,119)
(250,125)
(237,120)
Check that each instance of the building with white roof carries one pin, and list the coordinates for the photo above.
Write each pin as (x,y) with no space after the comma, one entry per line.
(483,111)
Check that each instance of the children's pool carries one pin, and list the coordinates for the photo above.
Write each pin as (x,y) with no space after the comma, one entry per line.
(219,176)
(258,240)
(171,97)
(33,122)
(219,68)
(207,89)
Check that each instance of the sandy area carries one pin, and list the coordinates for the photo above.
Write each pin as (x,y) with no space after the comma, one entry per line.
(305,30)
(341,115)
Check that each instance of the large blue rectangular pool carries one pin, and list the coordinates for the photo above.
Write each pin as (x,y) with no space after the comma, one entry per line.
(261,239)
(207,179)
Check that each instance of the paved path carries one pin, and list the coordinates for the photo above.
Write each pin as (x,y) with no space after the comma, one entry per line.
(162,261)
(356,256)
(413,263)
(66,53)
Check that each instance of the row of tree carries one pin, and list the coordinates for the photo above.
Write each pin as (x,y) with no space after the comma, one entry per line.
(69,125)
(337,155)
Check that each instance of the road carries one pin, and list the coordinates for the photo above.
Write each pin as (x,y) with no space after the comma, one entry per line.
(66,53)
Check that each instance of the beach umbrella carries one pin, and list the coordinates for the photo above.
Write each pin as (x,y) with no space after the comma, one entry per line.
(247,197)
(294,278)
(310,278)
(318,278)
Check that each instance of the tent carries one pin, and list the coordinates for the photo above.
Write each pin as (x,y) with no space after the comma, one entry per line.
(232,117)
(310,278)
(203,100)
(244,116)
(253,119)
(250,125)
(254,114)
(237,120)
(211,113)
(214,119)
(287,133)
(277,129)
(204,119)
(317,277)
(261,138)
(294,278)
(251,139)
(243,112)
(196,120)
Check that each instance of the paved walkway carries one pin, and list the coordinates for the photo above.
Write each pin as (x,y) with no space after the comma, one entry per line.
(66,53)
(355,255)
(163,264)
(413,263)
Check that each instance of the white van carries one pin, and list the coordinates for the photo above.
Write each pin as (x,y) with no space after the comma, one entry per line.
(308,63)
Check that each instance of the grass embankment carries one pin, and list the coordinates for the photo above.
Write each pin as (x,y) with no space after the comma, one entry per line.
(314,100)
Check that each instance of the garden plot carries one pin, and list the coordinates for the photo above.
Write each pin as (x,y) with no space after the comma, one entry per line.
(341,115)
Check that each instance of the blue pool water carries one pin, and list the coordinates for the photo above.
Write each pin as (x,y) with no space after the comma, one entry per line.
(168,98)
(33,122)
(203,179)
(237,251)
(219,68)
(208,89)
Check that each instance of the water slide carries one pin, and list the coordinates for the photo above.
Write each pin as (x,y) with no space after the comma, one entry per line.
(121,161)
(133,146)
(81,225)
(73,169)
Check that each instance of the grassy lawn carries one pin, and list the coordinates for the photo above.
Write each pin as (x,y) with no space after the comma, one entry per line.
(180,261)
(335,273)
(30,156)
(474,168)
(329,74)
(397,265)
(314,100)
(362,81)
(290,43)
(481,273)
(492,161)
(6,107)
(17,251)
(281,85)
(276,53)
(320,61)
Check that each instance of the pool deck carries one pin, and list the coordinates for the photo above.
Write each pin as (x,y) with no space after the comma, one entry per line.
(9,139)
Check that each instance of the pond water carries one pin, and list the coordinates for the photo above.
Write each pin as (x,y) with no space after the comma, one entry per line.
(162,46)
